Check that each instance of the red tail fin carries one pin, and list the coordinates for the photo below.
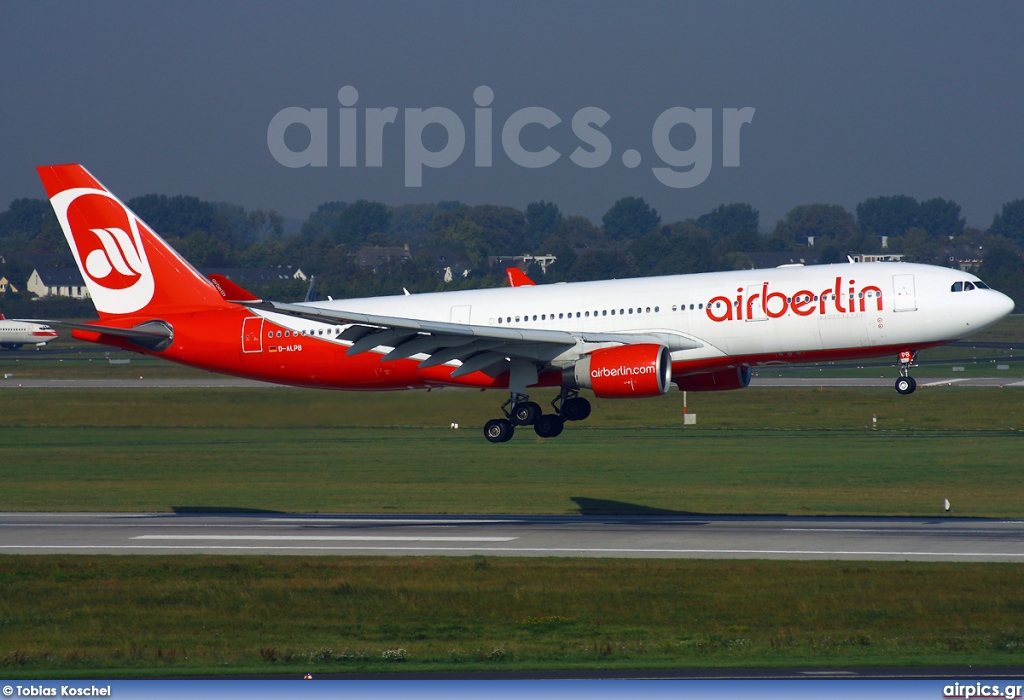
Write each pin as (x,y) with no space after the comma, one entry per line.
(518,278)
(128,269)
(231,291)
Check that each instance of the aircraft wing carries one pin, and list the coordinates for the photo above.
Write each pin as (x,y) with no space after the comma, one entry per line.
(479,348)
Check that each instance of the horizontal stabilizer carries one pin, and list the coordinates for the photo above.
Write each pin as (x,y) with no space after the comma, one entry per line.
(151,335)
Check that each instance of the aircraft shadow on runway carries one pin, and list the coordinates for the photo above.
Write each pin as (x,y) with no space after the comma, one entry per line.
(223,510)
(601,506)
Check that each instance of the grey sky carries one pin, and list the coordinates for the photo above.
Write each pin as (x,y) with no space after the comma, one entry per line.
(852,100)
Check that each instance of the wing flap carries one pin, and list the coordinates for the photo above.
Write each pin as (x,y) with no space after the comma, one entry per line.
(480,362)
(459,352)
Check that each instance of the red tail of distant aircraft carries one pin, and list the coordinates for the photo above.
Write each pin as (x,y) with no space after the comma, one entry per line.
(629,338)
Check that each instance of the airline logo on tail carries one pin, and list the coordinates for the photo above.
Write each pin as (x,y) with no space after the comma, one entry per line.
(104,236)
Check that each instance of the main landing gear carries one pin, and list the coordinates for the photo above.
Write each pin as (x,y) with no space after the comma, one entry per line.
(519,410)
(906,384)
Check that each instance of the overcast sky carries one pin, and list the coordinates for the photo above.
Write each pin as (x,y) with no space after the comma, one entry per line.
(850,100)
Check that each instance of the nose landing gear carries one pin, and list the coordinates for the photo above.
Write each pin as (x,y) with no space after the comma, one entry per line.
(906,384)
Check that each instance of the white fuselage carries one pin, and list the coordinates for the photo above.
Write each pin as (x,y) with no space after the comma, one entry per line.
(878,306)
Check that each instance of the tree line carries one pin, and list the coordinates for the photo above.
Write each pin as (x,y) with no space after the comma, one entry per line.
(630,241)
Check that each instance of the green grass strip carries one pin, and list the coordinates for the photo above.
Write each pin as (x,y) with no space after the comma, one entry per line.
(156,615)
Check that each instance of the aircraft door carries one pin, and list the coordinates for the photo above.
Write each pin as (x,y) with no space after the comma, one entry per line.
(252,334)
(903,291)
(755,304)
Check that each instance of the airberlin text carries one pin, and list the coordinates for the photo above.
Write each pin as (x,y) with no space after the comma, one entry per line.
(842,298)
(622,371)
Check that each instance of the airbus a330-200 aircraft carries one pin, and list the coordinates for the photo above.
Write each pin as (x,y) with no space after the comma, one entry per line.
(629,338)
(14,333)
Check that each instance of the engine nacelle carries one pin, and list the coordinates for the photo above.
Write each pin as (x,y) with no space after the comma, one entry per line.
(722,380)
(624,372)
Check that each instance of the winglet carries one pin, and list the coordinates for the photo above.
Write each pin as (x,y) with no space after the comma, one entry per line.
(518,278)
(231,291)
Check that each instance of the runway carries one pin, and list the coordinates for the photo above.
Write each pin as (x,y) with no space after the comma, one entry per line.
(684,536)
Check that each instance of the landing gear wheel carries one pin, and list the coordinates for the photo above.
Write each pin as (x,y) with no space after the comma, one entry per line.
(576,409)
(906,385)
(526,413)
(549,426)
(499,430)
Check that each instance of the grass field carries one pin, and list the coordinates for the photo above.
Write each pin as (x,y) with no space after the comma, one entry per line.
(110,616)
(797,451)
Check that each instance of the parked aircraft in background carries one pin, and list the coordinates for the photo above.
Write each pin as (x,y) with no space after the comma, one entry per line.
(15,333)
(628,338)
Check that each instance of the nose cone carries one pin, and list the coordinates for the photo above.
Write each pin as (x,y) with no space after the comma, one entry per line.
(1002,305)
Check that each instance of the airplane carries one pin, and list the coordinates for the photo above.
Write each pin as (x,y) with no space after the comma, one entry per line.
(626,338)
(15,333)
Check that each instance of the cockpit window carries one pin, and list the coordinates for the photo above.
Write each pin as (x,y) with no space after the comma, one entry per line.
(957,287)
(968,286)
(980,285)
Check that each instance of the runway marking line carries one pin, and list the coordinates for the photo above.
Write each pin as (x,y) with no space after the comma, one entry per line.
(399,521)
(947,381)
(578,550)
(326,538)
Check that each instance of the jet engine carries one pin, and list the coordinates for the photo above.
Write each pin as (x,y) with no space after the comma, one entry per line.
(624,372)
